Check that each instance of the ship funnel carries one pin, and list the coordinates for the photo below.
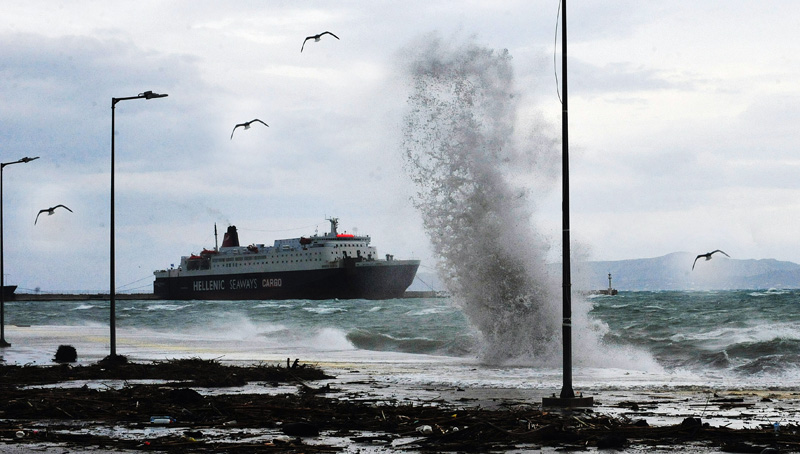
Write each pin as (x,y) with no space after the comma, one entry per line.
(231,238)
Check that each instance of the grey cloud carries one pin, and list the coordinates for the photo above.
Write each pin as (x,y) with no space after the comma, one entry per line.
(624,78)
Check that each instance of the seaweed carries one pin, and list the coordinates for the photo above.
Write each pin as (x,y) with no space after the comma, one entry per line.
(191,395)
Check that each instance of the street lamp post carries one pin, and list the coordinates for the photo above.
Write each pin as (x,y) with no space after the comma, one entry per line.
(3,342)
(112,290)
(567,397)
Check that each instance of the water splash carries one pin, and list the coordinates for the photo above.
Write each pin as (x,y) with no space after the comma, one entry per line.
(468,165)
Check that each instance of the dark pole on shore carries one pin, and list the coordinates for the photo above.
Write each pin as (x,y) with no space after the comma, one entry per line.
(112,289)
(3,342)
(566,390)
(567,397)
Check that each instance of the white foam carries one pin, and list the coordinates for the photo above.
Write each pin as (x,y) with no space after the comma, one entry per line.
(324,310)
(330,339)
(430,311)
(166,307)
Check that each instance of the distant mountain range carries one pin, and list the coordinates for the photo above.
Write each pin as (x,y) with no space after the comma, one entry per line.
(668,272)
(674,272)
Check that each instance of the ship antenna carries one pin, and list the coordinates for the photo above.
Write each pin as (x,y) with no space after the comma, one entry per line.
(216,244)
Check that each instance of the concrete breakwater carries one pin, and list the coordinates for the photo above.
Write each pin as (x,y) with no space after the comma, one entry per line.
(80,296)
(142,296)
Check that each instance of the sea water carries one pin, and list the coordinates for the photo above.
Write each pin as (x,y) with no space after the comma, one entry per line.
(726,339)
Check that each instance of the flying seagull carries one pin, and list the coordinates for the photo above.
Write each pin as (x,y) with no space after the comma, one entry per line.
(707,255)
(247,125)
(316,38)
(50,211)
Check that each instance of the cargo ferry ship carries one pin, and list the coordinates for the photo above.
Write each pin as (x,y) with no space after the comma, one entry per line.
(333,265)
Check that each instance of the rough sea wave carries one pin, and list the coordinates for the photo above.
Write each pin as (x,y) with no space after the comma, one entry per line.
(735,334)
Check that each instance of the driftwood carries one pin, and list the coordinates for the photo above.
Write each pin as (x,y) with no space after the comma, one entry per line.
(438,427)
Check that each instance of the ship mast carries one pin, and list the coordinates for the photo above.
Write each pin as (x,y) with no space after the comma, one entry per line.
(334,224)
(216,243)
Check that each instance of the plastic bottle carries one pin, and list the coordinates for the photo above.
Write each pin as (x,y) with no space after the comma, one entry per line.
(162,420)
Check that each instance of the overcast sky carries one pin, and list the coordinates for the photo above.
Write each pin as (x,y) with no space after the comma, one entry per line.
(683,126)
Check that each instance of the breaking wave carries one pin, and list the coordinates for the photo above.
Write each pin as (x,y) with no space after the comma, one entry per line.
(468,165)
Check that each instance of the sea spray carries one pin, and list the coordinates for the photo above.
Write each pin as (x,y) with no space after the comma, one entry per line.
(461,153)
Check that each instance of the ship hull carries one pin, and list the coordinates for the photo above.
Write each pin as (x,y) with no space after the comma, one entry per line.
(370,280)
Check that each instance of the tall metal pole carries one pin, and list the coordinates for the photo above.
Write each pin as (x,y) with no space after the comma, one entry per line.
(567,397)
(566,390)
(3,342)
(112,287)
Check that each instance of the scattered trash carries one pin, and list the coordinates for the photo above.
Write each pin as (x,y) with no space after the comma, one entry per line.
(612,441)
(692,422)
(300,429)
(432,428)
(162,420)
(185,396)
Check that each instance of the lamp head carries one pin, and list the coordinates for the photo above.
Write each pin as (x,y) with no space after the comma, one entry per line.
(150,95)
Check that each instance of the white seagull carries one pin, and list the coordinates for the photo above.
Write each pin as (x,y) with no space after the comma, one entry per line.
(247,125)
(316,39)
(707,255)
(50,211)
